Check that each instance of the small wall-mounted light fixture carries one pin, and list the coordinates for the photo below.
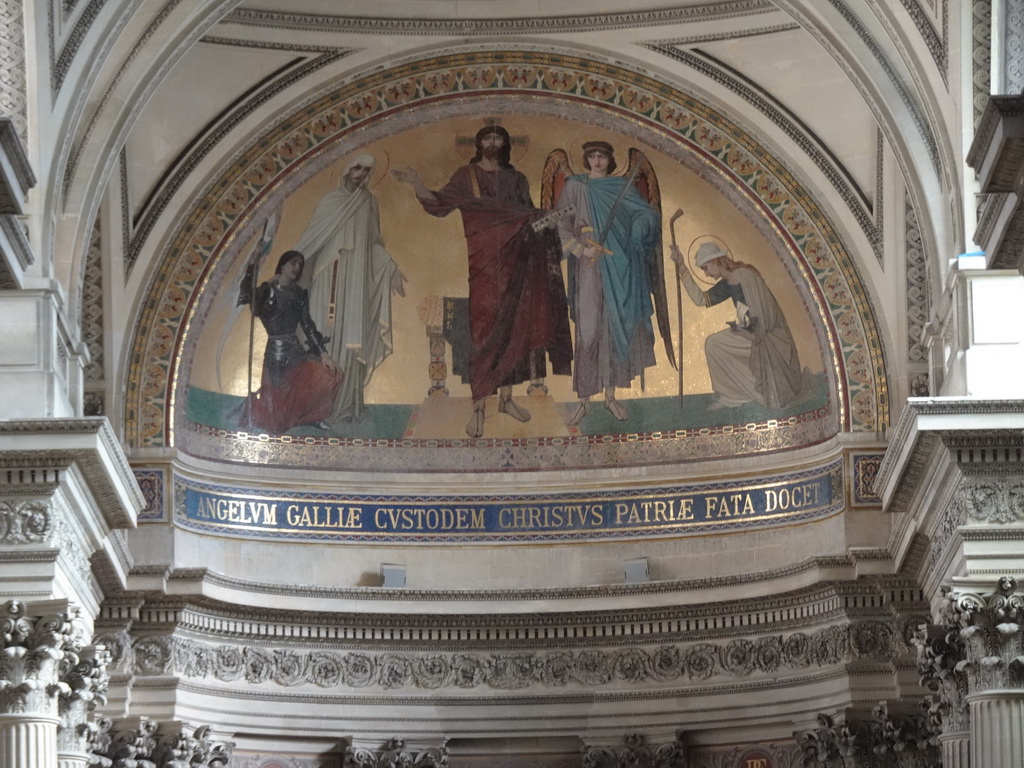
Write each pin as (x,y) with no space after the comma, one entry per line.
(392,575)
(636,571)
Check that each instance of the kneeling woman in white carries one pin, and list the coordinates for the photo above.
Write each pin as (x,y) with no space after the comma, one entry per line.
(754,359)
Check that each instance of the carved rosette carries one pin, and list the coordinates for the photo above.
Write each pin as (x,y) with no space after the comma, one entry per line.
(31,650)
(635,754)
(85,681)
(394,753)
(25,522)
(990,626)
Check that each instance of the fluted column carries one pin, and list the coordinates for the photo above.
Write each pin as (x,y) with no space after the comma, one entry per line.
(956,749)
(28,740)
(997,729)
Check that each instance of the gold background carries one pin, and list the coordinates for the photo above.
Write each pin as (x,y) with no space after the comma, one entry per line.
(432,254)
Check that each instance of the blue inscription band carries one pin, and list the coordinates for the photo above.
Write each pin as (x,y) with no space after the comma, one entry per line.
(671,511)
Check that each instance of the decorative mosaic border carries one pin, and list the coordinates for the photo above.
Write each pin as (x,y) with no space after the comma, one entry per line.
(868,217)
(235,199)
(865,472)
(152,483)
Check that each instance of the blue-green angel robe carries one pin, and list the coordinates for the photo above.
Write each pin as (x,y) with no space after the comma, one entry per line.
(610,296)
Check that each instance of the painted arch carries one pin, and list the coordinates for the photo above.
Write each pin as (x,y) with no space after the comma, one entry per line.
(214,236)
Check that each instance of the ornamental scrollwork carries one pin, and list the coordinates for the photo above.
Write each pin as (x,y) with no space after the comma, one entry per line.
(1000,502)
(395,755)
(592,667)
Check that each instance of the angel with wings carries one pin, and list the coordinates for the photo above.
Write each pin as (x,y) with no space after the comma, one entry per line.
(612,242)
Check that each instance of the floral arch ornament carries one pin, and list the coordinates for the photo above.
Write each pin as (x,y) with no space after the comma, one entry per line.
(230,209)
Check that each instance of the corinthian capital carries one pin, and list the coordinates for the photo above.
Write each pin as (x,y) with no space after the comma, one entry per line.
(636,754)
(30,653)
(940,652)
(85,680)
(394,754)
(990,626)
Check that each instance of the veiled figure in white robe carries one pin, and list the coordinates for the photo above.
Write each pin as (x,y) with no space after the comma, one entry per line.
(754,360)
(350,284)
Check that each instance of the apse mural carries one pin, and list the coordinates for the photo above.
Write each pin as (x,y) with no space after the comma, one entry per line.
(504,277)
(640,282)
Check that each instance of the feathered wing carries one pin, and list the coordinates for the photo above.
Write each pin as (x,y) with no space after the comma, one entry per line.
(556,171)
(246,288)
(646,181)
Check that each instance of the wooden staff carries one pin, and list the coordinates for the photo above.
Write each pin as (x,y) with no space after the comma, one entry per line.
(679,304)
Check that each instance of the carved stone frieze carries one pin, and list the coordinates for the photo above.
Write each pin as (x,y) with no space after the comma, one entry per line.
(31,649)
(395,753)
(698,661)
(634,753)
(999,501)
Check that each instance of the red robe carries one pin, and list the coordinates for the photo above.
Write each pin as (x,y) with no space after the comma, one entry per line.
(517,307)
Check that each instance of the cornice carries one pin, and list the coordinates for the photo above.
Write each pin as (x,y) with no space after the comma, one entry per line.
(963,426)
(90,444)
(497,26)
(998,110)
(632,626)
(204,576)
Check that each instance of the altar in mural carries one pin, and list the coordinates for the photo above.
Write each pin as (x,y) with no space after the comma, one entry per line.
(504,278)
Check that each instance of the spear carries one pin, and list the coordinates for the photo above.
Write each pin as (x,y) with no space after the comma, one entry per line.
(679,304)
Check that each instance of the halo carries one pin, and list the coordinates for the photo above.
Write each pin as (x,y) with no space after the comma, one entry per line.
(691,257)
(465,136)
